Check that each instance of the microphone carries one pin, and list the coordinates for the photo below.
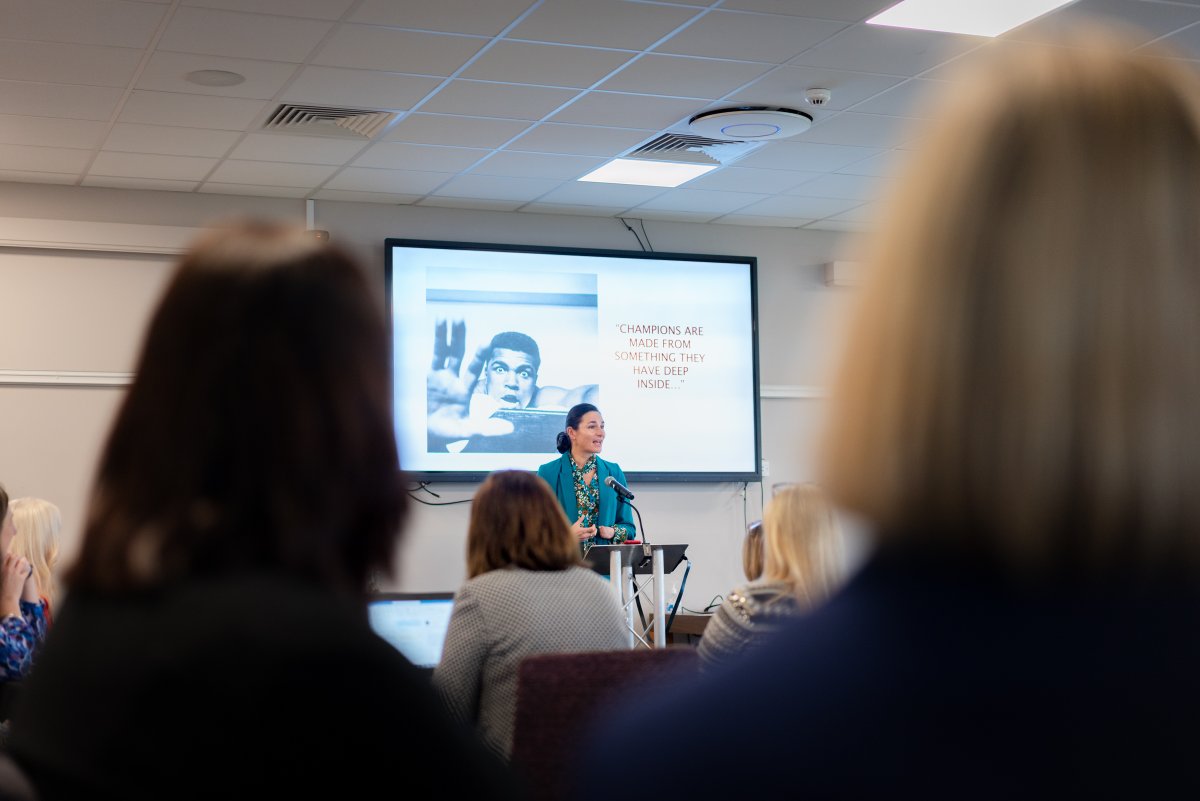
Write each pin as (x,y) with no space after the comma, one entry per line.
(621,490)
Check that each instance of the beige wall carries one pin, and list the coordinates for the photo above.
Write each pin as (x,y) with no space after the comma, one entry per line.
(81,309)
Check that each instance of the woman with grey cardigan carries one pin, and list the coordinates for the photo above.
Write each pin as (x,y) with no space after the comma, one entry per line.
(527,593)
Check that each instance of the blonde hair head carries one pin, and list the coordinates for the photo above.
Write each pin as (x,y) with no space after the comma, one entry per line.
(38,524)
(803,545)
(1023,375)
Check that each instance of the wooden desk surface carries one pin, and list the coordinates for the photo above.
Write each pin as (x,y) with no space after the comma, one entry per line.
(686,627)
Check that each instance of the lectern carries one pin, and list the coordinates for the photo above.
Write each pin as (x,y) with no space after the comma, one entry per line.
(622,562)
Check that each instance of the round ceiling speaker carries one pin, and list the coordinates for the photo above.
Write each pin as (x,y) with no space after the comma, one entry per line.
(751,123)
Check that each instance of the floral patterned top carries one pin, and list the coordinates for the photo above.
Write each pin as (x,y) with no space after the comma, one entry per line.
(587,496)
(19,636)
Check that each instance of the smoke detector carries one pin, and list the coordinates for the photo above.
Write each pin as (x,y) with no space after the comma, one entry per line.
(751,123)
(817,97)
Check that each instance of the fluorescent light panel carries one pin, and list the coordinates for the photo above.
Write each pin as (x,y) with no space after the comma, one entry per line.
(974,17)
(643,172)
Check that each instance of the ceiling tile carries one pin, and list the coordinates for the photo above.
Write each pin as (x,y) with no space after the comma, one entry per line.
(318,9)
(851,187)
(807,207)
(683,76)
(914,98)
(498,100)
(742,179)
(457,16)
(471,203)
(786,86)
(891,51)
(792,155)
(749,37)
(52,62)
(50,132)
(217,188)
(365,197)
(122,182)
(843,10)
(446,129)
(58,100)
(167,72)
(43,159)
(297,149)
(601,23)
(333,86)
(859,214)
(546,64)
(409,182)
(628,111)
(191,111)
(30,177)
(582,193)
(169,141)
(698,200)
(495,187)
(766,222)
(403,156)
(228,33)
(98,22)
(885,165)
(364,47)
(1144,21)
(142,165)
(579,140)
(271,173)
(537,165)
(861,130)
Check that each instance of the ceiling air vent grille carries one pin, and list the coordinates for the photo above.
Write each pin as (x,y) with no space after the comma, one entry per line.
(689,147)
(328,120)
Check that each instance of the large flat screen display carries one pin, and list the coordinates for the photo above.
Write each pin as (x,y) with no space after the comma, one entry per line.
(492,344)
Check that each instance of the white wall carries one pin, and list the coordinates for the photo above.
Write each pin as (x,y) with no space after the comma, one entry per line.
(97,300)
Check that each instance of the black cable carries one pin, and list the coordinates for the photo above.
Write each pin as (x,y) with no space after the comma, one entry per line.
(678,595)
(642,223)
(424,486)
(635,233)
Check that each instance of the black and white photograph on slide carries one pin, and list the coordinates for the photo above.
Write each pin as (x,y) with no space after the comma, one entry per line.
(509,356)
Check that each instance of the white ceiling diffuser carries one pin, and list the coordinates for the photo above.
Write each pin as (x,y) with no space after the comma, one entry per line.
(751,123)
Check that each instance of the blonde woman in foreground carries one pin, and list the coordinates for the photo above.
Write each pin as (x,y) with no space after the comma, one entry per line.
(802,565)
(1016,416)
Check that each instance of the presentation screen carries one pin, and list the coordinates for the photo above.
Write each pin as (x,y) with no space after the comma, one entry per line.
(492,344)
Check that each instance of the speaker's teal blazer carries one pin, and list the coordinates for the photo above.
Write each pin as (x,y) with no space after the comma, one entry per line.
(608,513)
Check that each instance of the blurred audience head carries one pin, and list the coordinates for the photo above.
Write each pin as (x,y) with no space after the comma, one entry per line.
(517,521)
(1023,375)
(258,431)
(752,551)
(803,544)
(38,524)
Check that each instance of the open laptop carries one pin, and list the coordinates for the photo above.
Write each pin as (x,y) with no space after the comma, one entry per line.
(414,622)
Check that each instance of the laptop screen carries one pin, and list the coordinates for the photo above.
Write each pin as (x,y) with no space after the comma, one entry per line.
(415,623)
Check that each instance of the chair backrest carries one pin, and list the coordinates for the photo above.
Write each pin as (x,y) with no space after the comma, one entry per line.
(559,696)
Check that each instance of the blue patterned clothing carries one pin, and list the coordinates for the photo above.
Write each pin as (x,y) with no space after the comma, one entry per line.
(19,638)
(608,510)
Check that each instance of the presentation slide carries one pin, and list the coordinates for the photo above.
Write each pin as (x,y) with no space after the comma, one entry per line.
(493,344)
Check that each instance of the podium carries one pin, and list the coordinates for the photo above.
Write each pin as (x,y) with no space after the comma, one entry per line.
(621,563)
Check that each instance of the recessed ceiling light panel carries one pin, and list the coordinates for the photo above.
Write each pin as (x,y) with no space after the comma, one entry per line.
(751,123)
(973,17)
(644,172)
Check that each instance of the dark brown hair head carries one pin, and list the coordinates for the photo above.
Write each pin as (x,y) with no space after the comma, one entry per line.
(516,520)
(257,433)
